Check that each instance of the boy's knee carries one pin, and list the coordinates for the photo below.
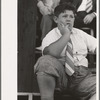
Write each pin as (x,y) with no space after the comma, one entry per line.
(48,65)
(45,60)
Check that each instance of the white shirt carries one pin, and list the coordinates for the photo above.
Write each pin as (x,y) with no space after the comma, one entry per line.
(81,41)
(82,6)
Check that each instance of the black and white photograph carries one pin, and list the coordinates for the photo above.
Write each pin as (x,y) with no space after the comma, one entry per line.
(50,50)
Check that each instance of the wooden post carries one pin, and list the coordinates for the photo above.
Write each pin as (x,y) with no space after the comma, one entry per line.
(26,44)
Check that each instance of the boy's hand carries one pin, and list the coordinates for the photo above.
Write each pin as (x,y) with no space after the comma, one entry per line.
(65,29)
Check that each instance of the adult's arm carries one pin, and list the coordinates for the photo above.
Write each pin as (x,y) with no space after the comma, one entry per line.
(91,42)
(45,10)
(90,16)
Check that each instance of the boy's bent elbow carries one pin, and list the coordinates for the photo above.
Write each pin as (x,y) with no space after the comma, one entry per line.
(52,53)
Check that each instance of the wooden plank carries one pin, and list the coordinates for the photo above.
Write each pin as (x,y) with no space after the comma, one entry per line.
(26,44)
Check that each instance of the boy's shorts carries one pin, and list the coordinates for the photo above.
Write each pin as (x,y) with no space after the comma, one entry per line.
(82,83)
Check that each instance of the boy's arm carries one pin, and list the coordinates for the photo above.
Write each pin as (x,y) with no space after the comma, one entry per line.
(57,47)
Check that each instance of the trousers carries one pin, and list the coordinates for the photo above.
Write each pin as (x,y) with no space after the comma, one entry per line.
(47,24)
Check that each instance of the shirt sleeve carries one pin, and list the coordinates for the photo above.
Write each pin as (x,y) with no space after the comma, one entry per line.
(90,41)
(50,38)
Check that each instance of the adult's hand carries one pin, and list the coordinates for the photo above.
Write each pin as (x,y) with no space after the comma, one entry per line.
(43,9)
(88,18)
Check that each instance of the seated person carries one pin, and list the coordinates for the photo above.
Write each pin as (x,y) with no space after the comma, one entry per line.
(46,8)
(64,64)
(86,14)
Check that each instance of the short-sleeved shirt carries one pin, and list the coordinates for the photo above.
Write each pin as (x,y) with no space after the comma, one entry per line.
(81,41)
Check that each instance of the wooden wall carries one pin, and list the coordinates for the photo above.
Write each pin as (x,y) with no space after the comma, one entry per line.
(27,13)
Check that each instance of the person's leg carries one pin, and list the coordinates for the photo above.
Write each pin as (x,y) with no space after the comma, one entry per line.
(46,86)
(83,83)
(46,25)
(93,26)
(50,74)
(78,23)
(87,87)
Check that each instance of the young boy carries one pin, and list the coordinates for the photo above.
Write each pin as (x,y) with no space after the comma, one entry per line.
(53,69)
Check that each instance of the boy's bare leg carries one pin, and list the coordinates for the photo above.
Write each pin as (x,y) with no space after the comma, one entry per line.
(46,86)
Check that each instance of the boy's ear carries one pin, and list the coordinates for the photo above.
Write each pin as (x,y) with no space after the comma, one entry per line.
(55,19)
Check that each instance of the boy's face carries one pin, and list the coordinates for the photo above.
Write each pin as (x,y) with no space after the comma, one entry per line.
(66,18)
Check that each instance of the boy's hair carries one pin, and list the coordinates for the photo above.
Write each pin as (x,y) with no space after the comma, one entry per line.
(62,7)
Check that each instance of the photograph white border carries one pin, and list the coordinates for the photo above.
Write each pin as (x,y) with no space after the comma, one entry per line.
(98,50)
(9,49)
